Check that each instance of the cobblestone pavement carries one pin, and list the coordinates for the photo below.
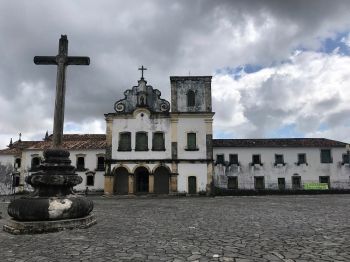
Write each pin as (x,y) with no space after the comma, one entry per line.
(263,228)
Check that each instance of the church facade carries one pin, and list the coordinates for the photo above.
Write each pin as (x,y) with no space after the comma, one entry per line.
(153,146)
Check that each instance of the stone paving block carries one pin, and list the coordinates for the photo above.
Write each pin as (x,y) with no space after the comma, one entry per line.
(235,228)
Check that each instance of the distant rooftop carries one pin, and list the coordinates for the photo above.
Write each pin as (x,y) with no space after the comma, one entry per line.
(278,142)
(70,142)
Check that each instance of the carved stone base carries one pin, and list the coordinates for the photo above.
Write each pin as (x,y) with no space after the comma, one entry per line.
(38,227)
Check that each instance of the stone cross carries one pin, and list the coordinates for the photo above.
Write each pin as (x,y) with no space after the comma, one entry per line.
(62,60)
(142,69)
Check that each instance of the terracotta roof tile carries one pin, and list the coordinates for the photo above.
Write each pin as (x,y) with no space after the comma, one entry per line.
(76,142)
(70,142)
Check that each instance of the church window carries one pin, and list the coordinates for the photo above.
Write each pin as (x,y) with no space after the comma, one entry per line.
(90,179)
(158,141)
(141,141)
(220,159)
(35,163)
(124,141)
(191,100)
(326,156)
(233,159)
(256,160)
(100,163)
(191,141)
(80,163)
(18,163)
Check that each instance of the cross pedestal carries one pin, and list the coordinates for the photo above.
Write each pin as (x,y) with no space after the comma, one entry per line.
(53,206)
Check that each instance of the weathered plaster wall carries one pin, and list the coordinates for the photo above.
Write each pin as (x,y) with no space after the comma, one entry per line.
(142,120)
(90,165)
(339,174)
(187,170)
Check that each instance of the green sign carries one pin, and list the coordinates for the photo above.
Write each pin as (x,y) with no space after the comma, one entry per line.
(318,186)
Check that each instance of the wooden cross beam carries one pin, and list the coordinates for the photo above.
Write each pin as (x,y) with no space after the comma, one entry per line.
(62,60)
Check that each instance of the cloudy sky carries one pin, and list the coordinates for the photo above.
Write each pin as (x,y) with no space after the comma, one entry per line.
(280,68)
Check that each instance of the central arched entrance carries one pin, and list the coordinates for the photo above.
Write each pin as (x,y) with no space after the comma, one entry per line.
(141,180)
(161,180)
(121,176)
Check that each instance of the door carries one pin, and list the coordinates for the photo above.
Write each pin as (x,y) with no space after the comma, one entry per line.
(192,185)
(232,182)
(259,182)
(296,182)
(281,183)
(142,180)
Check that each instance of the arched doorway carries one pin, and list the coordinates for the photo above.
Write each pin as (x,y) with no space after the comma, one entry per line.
(192,185)
(121,181)
(161,180)
(141,180)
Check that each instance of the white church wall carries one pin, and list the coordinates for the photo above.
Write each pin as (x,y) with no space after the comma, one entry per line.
(189,125)
(187,170)
(338,173)
(141,122)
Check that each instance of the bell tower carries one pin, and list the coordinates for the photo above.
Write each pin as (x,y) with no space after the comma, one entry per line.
(191,94)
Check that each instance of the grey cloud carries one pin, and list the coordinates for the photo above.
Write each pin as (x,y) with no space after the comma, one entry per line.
(170,38)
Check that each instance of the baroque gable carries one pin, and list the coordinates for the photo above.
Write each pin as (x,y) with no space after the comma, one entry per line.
(142,96)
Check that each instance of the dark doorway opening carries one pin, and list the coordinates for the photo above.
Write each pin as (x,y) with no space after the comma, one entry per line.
(232,182)
(296,182)
(259,182)
(192,185)
(121,181)
(141,177)
(161,180)
(326,180)
(281,183)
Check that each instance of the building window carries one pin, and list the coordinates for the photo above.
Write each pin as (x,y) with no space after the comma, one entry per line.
(345,159)
(191,141)
(141,141)
(279,159)
(191,100)
(100,163)
(301,159)
(326,156)
(35,163)
(256,160)
(90,179)
(80,163)
(18,163)
(233,159)
(158,141)
(220,159)
(124,141)
(232,182)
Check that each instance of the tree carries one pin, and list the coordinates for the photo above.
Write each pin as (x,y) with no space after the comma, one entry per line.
(6,174)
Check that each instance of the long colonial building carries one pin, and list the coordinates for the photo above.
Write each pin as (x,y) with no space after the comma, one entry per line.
(153,146)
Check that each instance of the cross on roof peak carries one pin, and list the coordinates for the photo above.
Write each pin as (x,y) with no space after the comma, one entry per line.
(142,68)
